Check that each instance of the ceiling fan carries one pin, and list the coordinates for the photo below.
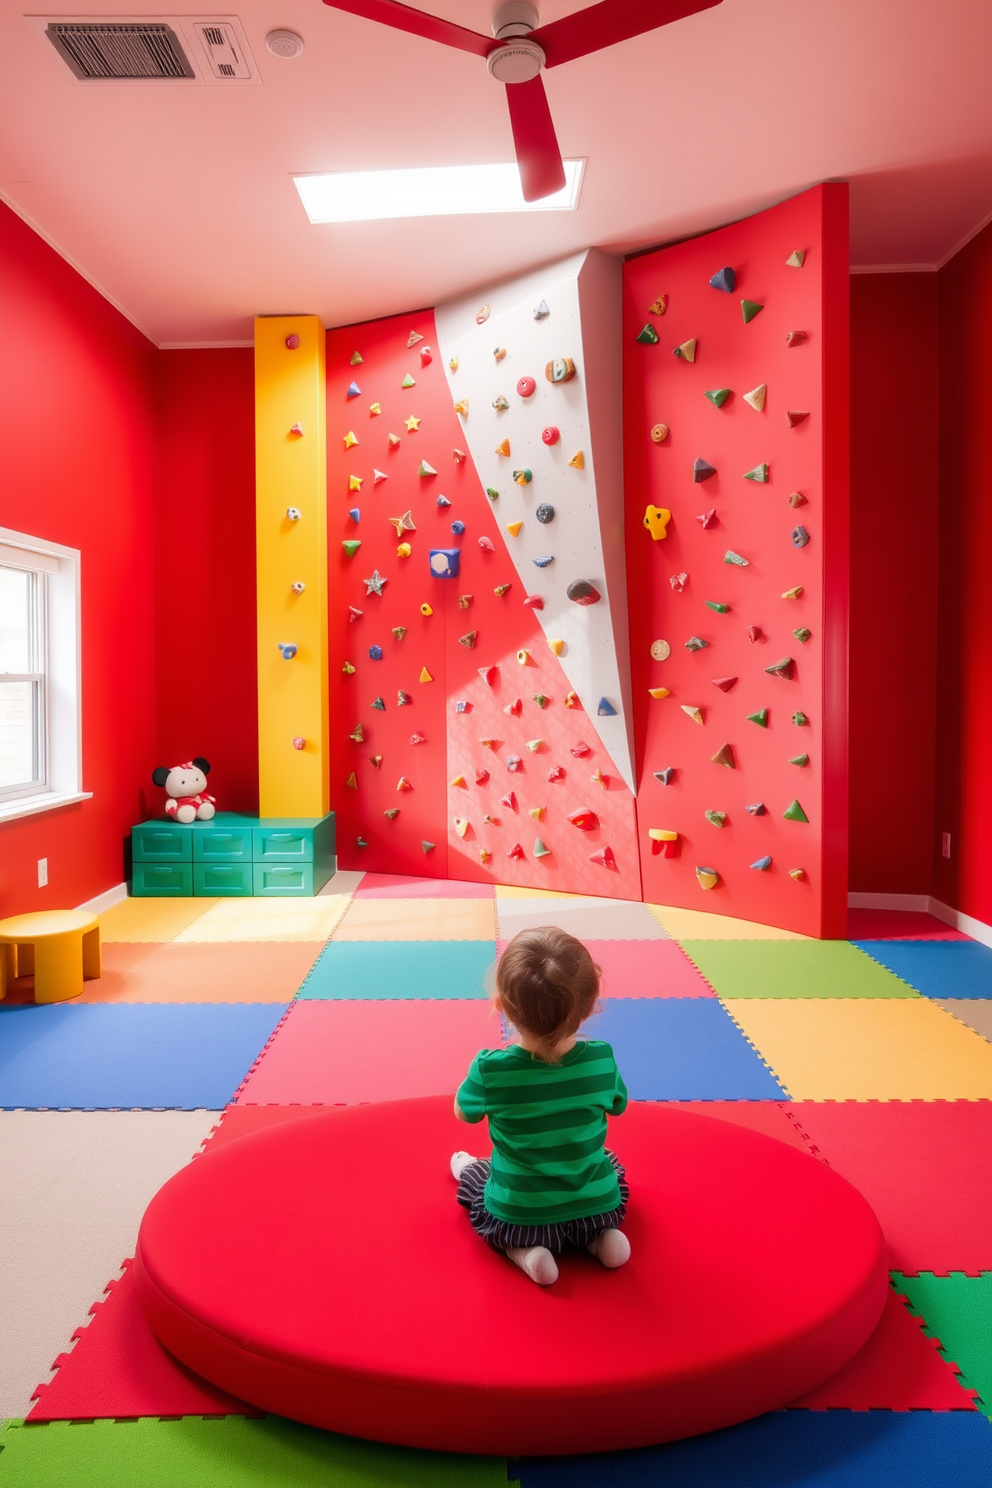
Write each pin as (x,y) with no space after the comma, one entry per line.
(520,50)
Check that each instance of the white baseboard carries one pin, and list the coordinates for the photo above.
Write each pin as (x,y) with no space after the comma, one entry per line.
(967,924)
(106,900)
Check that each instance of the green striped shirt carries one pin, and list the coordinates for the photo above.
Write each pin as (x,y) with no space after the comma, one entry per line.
(547,1123)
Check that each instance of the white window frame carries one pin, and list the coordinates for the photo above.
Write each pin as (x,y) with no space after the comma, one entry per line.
(62,744)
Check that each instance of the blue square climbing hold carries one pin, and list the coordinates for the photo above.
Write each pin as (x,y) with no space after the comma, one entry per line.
(937,968)
(686,1048)
(444,562)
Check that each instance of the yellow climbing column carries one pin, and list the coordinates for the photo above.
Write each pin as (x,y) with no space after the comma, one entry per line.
(291,565)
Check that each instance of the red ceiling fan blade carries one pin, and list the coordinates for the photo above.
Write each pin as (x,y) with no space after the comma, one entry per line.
(535,141)
(610,21)
(417,22)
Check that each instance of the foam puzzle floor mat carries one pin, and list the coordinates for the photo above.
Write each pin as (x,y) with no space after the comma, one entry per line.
(398,886)
(975,1012)
(150,919)
(419,919)
(646,968)
(955,1311)
(223,1452)
(187,1057)
(696,924)
(961,968)
(682,1049)
(612,920)
(339,1053)
(844,1048)
(253,920)
(898,924)
(201,972)
(790,968)
(368,970)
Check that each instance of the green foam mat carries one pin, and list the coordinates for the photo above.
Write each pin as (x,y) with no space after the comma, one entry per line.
(957,1310)
(792,968)
(223,1452)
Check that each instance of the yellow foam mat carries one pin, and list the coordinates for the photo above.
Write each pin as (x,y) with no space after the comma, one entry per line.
(505,892)
(696,924)
(419,919)
(151,919)
(268,919)
(866,1048)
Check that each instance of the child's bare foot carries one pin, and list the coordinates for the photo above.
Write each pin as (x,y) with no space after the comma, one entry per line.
(460,1161)
(611,1247)
(537,1262)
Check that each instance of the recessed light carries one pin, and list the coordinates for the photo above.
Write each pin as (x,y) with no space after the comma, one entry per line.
(428,191)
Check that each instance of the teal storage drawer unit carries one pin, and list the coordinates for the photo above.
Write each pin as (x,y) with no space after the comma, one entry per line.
(162,880)
(233,856)
(161,842)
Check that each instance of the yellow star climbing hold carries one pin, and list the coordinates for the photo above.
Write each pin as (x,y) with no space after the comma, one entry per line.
(354,483)
(350,440)
(412,424)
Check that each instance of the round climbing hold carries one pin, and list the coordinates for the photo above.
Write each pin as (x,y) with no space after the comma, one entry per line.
(659,433)
(426,610)
(581,592)
(551,435)
(458,528)
(526,387)
(660,650)
(299,743)
(292,342)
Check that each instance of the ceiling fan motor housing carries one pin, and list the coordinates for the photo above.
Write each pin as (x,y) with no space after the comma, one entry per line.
(517,62)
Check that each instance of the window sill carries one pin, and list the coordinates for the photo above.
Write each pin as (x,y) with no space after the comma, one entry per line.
(48,801)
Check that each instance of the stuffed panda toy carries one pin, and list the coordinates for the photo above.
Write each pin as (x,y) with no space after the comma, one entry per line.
(185,785)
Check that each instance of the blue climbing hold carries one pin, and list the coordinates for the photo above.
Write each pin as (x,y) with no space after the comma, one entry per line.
(444,562)
(756,809)
(606,708)
(375,653)
(724,279)
(543,562)
(355,515)
(458,528)
(354,390)
(288,649)
(442,501)
(762,864)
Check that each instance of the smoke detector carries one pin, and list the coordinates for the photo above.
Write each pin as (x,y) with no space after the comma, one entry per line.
(149,49)
(284,44)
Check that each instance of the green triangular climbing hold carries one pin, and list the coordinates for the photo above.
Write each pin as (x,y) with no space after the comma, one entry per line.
(802,634)
(731,557)
(795,813)
(351,545)
(379,704)
(408,381)
(540,851)
(649,336)
(426,470)
(781,668)
(715,818)
(800,720)
(749,309)
(759,474)
(715,604)
(694,643)
(760,718)
(717,396)
(800,760)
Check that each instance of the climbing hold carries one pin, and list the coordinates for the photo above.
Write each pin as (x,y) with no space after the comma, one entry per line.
(665,776)
(499,352)
(687,351)
(464,600)
(356,359)
(523,477)
(800,536)
(584,819)
(656,520)
(355,514)
(514,708)
(514,528)
(660,650)
(797,873)
(348,669)
(524,658)
(707,518)
(489,675)
(461,407)
(555,774)
(796,416)
(797,499)
(444,562)
(664,841)
(755,633)
(724,756)
(540,851)
(459,783)
(427,846)
(570,700)
(541,311)
(374,410)
(556,644)
(461,706)
(781,668)
(560,369)
(724,279)
(399,631)
(491,821)
(297,429)
(516,851)
(502,589)
(354,391)
(378,477)
(695,643)
(375,760)
(357,735)
(691,711)
(486,545)
(541,699)
(408,382)
(461,825)
(405,523)
(717,605)
(762,864)
(353,614)
(352,782)
(756,397)
(418,738)
(349,440)
(802,634)
(648,336)
(659,692)
(598,778)
(715,818)
(759,474)
(288,649)
(760,718)
(392,813)
(355,482)
(413,338)
(459,456)
(757,808)
(795,338)
(702,470)
(792,593)
(536,812)
(379,704)
(293,514)
(678,582)
(403,784)
(550,435)
(800,720)
(298,586)
(481,776)
(426,610)
(795,812)
(578,461)
(526,387)
(467,640)
(375,653)
(545,513)
(581,592)
(482,315)
(708,878)
(484,855)
(509,801)
(351,546)
(749,309)
(796,259)
(534,745)
(605,708)
(731,557)
(425,675)
(394,441)
(503,448)
(724,683)
(403,550)
(801,760)
(293,342)
(426,470)
(658,306)
(544,560)
(604,857)
(501,404)
(580,750)
(426,356)
(717,396)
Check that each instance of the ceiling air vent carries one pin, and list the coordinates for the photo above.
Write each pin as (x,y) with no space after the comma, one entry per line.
(119,49)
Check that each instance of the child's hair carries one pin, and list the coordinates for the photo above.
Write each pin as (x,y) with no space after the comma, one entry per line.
(547,985)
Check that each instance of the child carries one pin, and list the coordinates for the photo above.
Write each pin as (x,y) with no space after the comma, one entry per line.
(550,1182)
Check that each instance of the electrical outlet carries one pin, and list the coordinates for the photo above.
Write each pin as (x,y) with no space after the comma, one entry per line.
(945,844)
(42,873)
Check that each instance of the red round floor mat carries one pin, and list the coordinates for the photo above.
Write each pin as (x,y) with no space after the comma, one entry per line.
(322,1269)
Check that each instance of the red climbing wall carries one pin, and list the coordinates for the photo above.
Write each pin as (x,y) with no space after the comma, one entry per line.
(753,520)
(503,626)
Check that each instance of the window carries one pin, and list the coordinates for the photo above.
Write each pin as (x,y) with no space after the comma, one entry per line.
(39,675)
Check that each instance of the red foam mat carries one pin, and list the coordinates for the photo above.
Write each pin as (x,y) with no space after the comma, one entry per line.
(923,1166)
(119,1368)
(898,924)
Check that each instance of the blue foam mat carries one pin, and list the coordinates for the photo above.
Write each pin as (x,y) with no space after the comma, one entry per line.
(682,1048)
(937,968)
(796,1449)
(190,1056)
(366,970)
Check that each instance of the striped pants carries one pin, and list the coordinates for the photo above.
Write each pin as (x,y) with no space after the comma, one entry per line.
(566,1234)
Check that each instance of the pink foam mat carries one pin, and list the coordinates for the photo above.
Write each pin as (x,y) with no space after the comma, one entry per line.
(923,1166)
(119,1368)
(899,1368)
(343,1053)
(645,968)
(898,924)
(398,886)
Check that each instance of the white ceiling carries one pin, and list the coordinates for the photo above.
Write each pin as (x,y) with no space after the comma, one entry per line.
(177,202)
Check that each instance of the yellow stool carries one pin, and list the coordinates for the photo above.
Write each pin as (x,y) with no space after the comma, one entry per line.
(60,946)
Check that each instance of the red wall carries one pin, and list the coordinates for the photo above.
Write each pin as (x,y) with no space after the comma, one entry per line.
(964,543)
(205,571)
(77,447)
(895,534)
